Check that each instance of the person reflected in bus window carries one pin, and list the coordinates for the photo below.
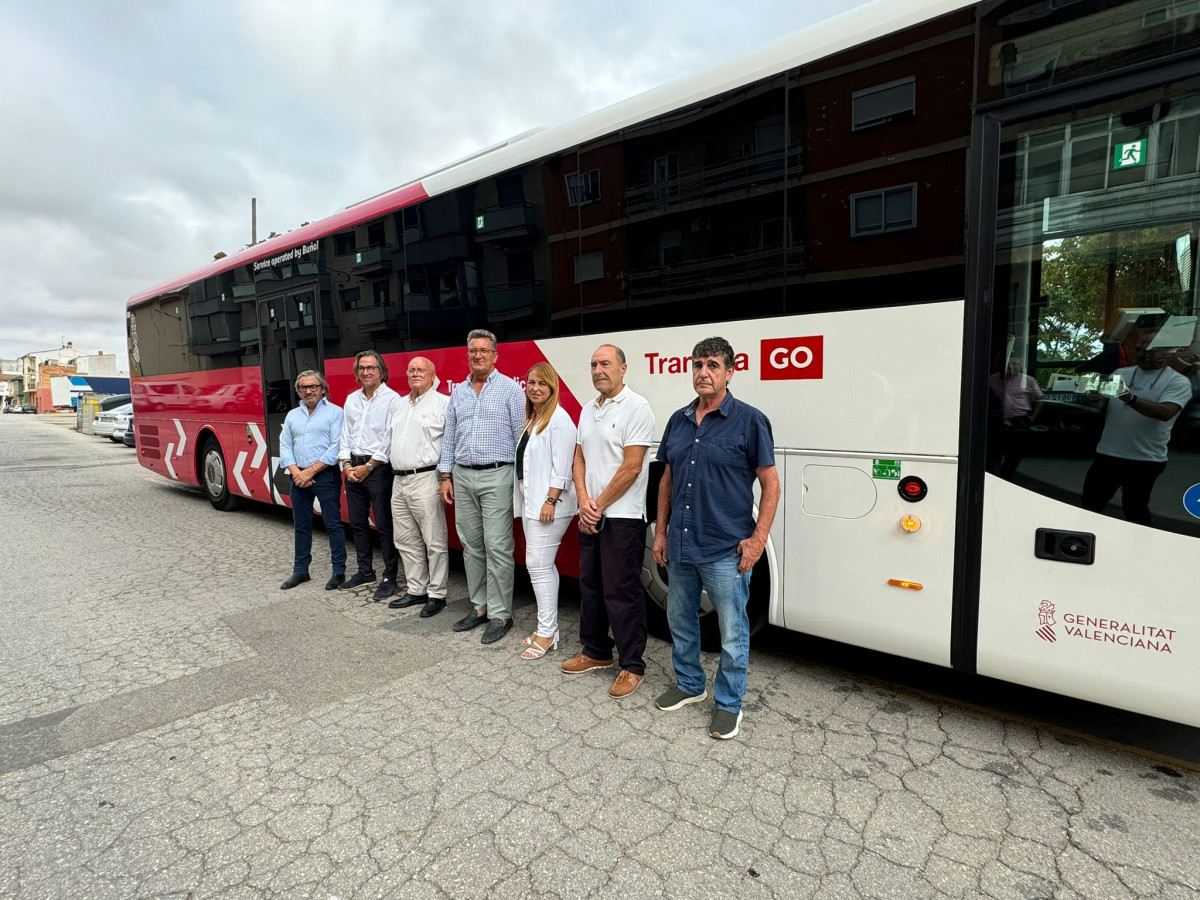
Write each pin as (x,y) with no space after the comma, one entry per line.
(713,450)
(418,518)
(366,444)
(544,497)
(483,424)
(1020,400)
(615,431)
(1132,452)
(308,452)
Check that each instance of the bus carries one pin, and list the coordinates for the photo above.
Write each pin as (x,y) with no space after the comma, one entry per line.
(952,245)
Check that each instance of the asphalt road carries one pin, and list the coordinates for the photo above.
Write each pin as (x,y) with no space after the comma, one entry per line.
(174,726)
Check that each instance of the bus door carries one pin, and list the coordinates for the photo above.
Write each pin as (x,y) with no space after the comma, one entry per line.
(1090,525)
(289,328)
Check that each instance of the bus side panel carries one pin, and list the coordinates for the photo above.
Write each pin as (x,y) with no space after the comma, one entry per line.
(845,543)
(1121,631)
(173,413)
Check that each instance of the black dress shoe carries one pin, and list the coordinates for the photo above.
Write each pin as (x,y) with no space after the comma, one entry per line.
(404,601)
(497,628)
(433,606)
(469,621)
(334,582)
(294,579)
(356,580)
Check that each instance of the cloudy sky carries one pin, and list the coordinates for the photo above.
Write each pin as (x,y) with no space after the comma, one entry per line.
(134,133)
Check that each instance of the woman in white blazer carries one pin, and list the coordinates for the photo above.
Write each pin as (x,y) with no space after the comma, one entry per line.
(544,497)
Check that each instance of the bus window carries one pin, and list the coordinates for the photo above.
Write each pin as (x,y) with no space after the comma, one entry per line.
(1093,386)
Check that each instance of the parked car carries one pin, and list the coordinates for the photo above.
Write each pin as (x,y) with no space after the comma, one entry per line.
(106,422)
(29,409)
(118,432)
(130,440)
(13,408)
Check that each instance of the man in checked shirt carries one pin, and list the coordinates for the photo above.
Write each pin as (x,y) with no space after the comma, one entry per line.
(483,424)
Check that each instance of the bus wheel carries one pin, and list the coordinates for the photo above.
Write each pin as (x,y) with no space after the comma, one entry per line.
(215,477)
(654,584)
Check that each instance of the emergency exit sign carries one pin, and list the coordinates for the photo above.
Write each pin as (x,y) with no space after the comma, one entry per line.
(1127,156)
(888,469)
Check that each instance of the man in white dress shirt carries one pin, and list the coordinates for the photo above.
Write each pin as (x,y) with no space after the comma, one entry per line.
(366,444)
(418,518)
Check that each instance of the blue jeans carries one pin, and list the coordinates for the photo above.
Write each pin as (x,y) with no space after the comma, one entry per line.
(326,487)
(728,591)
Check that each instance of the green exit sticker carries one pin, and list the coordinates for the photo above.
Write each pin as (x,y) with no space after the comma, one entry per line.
(1130,155)
(886,468)
(479,223)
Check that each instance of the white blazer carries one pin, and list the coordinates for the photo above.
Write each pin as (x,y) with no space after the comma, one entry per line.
(549,457)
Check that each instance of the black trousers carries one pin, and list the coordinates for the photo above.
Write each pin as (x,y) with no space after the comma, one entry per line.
(373,495)
(610,593)
(1134,477)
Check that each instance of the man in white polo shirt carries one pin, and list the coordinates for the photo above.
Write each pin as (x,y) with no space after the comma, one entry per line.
(615,430)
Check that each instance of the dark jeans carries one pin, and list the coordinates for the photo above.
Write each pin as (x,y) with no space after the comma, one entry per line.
(1134,477)
(373,495)
(327,488)
(610,593)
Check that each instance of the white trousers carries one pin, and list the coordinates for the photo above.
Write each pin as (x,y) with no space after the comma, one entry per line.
(541,546)
(419,532)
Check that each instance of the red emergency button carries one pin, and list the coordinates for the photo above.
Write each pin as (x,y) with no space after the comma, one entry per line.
(912,489)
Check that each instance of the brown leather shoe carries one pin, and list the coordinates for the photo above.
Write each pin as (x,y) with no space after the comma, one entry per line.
(581,663)
(625,685)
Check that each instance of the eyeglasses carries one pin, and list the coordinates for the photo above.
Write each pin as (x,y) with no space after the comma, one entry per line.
(480,352)
(310,387)
(417,372)
(368,369)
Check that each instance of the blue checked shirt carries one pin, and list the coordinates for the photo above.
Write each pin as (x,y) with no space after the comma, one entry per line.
(308,438)
(485,427)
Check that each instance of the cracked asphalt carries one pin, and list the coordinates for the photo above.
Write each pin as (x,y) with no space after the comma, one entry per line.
(174,726)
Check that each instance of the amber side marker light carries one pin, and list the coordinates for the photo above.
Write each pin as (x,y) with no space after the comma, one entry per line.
(911,585)
(910,523)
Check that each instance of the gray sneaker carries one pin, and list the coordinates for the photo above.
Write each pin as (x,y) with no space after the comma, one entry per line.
(724,724)
(677,699)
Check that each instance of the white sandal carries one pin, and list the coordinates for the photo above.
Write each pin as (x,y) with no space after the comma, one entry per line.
(537,651)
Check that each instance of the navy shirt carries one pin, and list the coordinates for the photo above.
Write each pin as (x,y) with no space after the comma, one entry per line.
(713,469)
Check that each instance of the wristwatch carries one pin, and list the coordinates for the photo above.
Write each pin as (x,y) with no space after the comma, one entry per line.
(370,466)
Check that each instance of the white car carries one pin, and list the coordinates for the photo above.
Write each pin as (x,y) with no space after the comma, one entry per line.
(106,422)
(122,426)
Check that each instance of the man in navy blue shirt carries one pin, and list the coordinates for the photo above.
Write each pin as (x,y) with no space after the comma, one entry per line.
(308,451)
(714,449)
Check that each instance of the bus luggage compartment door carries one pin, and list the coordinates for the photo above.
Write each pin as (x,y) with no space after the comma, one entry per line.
(867,565)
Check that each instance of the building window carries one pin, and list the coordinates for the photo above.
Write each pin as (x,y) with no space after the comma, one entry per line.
(510,190)
(343,243)
(892,209)
(376,236)
(583,187)
(589,266)
(349,298)
(884,103)
(775,234)
(670,248)
(380,293)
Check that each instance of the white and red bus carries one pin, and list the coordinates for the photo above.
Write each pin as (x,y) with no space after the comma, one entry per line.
(929,229)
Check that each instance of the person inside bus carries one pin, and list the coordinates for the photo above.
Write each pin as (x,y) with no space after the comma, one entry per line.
(1132,452)
(483,424)
(713,450)
(366,443)
(615,431)
(308,452)
(544,497)
(418,519)
(1020,400)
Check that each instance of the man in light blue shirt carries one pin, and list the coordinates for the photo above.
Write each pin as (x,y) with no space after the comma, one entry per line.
(308,451)
(483,424)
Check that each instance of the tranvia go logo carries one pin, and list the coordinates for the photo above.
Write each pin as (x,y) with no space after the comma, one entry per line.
(1046,621)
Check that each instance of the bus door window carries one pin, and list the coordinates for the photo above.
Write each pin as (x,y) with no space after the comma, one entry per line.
(1093,386)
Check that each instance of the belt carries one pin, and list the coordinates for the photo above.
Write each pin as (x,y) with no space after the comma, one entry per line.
(360,460)
(493,465)
(397,473)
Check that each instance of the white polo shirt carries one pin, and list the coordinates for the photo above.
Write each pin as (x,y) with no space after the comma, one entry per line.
(625,420)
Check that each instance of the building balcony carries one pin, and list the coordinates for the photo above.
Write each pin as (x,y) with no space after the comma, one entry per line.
(718,272)
(743,173)
(499,223)
(439,249)
(377,318)
(373,259)
(513,301)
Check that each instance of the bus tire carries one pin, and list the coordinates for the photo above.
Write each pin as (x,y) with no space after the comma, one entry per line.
(214,477)
(655,585)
